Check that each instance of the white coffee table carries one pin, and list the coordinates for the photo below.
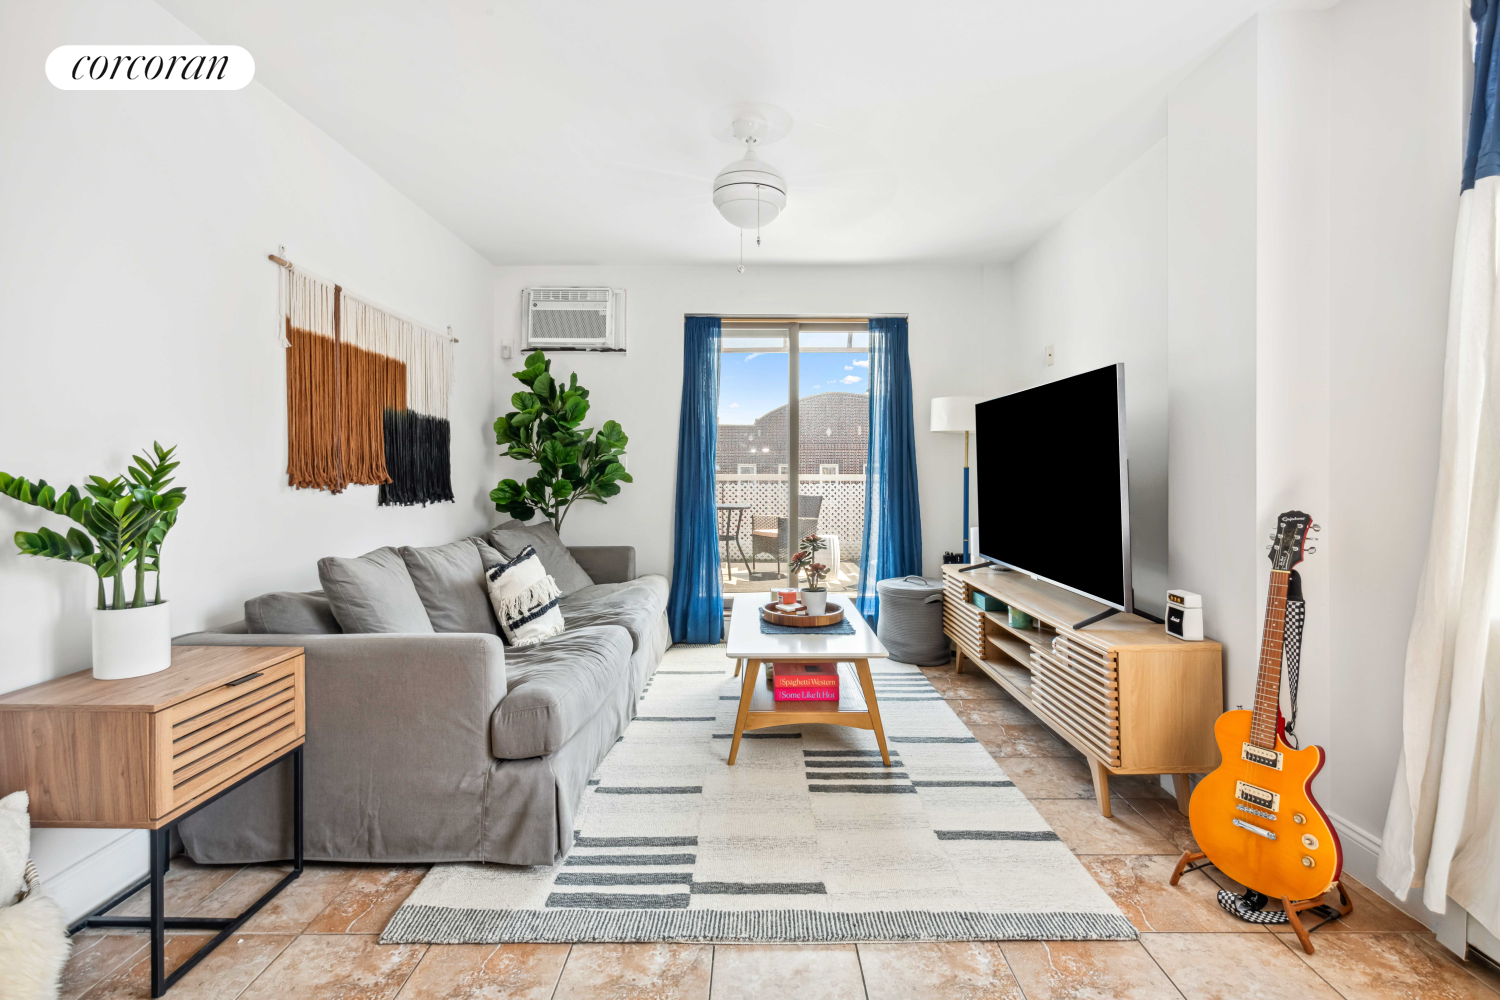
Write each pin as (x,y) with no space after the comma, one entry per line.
(856,708)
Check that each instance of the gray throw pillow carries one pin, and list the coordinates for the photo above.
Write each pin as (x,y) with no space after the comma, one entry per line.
(289,613)
(513,536)
(450,581)
(373,593)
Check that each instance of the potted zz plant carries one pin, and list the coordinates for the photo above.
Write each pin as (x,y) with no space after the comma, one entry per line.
(814,596)
(124,521)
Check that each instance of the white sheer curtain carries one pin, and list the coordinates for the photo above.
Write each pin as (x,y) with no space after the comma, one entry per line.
(1442,833)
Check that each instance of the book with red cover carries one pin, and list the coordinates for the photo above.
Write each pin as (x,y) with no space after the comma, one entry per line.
(808,694)
(805,675)
(805,681)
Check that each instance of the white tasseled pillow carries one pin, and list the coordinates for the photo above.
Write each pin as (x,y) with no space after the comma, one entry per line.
(525,599)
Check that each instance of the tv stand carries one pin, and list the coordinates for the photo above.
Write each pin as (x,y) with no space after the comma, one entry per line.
(1106,613)
(1127,696)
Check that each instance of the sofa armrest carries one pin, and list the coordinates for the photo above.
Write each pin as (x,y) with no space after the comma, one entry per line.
(606,563)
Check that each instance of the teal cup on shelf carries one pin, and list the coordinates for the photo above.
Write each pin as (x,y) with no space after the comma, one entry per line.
(1020,619)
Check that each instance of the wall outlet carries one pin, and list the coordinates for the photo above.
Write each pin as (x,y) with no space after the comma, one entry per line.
(505,351)
(1049,358)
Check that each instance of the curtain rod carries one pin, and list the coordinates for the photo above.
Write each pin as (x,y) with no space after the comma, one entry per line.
(812,320)
(283,262)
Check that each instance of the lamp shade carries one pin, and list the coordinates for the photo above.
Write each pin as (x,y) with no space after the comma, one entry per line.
(954,413)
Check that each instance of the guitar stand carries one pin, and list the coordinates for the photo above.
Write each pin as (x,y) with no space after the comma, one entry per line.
(1293,910)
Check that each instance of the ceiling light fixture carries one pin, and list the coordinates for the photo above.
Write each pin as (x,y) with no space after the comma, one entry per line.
(749,193)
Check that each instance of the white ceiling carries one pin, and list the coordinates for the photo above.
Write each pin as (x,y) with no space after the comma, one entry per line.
(579,131)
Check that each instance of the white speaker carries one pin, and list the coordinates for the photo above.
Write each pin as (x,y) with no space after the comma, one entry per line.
(1185,615)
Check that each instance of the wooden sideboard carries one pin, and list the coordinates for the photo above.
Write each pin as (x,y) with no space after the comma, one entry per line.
(146,752)
(1129,697)
(143,751)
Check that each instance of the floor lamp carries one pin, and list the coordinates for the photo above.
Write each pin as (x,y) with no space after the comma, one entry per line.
(951,414)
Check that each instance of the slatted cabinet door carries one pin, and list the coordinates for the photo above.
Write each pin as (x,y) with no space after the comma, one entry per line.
(206,740)
(963,621)
(1077,688)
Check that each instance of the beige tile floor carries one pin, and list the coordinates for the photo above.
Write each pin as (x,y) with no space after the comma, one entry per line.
(320,938)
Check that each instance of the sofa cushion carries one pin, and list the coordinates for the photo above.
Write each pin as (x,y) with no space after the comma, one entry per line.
(513,536)
(373,593)
(450,582)
(635,605)
(555,687)
(289,613)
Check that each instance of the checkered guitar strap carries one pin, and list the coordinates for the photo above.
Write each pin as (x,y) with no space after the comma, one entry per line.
(1291,649)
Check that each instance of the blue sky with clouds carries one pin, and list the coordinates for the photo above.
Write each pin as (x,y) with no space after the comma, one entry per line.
(752,384)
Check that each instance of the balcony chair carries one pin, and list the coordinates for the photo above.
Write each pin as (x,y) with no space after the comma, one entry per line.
(768,534)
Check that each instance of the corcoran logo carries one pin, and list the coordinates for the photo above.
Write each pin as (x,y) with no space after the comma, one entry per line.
(150,67)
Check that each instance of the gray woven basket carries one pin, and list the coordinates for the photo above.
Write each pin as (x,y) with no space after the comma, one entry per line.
(911,620)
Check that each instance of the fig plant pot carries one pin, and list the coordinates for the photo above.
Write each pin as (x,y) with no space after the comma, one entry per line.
(130,642)
(816,601)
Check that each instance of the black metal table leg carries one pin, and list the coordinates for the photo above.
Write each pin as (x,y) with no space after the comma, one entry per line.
(158,923)
(159,844)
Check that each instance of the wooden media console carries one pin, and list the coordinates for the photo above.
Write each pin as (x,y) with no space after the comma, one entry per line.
(1129,697)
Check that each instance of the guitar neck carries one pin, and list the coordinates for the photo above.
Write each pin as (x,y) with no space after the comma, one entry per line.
(1268,684)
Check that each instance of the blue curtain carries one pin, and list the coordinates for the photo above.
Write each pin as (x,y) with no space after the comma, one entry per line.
(1483,158)
(695,607)
(893,513)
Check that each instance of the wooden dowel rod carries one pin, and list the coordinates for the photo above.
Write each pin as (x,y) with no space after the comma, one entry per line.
(283,262)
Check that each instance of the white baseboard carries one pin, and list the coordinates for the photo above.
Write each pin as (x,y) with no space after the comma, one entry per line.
(93,879)
(1362,855)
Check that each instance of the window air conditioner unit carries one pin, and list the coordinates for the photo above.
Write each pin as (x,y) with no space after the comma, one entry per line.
(573,319)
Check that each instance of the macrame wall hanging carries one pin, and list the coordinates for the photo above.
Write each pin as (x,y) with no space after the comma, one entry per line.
(366,394)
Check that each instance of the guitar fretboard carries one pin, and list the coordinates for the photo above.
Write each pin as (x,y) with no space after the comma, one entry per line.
(1268,684)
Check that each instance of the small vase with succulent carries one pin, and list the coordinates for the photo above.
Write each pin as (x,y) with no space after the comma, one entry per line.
(814,595)
(125,521)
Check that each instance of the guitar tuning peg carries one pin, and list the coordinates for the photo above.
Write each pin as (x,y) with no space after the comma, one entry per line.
(1317,527)
(1268,548)
(1312,550)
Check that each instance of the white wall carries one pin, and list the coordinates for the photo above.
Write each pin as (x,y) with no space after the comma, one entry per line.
(954,311)
(1398,122)
(1291,312)
(1095,289)
(136,303)
(1212,545)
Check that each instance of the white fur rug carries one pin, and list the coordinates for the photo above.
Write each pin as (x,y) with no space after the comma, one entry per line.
(807,838)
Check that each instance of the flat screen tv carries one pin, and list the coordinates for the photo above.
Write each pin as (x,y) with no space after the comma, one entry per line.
(1053,485)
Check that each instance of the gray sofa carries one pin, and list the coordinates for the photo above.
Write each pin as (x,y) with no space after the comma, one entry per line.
(444,746)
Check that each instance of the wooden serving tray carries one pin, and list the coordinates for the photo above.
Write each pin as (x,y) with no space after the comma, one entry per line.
(833,616)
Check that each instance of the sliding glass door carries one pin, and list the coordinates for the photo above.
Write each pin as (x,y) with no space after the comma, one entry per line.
(794,412)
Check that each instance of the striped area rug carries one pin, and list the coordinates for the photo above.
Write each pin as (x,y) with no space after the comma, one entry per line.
(807,838)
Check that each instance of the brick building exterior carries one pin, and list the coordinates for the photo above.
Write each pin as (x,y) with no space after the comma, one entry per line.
(835,431)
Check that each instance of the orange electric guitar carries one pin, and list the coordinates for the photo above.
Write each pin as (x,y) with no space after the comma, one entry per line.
(1255,818)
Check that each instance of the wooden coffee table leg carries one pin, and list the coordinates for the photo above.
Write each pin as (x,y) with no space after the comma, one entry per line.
(867,684)
(747,688)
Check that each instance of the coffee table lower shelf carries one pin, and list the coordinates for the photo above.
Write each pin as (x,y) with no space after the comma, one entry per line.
(857,706)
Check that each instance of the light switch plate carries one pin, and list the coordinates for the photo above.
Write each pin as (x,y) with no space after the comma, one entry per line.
(1049,358)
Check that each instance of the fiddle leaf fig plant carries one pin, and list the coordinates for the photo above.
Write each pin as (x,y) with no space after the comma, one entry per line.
(124,520)
(572,464)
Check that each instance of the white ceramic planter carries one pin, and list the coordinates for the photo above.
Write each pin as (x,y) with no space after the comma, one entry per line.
(816,600)
(132,641)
